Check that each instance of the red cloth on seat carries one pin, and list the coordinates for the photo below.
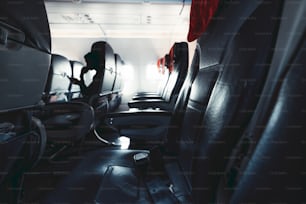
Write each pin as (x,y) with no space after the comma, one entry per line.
(201,13)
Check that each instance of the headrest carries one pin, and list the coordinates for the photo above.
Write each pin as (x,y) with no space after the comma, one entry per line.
(179,49)
(178,54)
(106,54)
(201,13)
(106,65)
(60,69)
(29,20)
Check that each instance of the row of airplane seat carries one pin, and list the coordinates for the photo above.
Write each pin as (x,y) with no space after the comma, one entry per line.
(234,134)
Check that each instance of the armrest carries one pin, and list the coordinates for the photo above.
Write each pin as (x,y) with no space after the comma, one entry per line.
(145,125)
(151,103)
(66,121)
(139,117)
(147,97)
(146,93)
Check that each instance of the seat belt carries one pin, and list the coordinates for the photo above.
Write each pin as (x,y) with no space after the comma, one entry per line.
(294,22)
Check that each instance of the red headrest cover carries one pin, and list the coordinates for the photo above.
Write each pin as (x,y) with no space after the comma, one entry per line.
(201,13)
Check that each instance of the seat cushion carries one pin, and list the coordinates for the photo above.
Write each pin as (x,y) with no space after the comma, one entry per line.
(103,172)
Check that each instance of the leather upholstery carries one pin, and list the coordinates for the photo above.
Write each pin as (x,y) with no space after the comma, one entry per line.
(88,176)
(24,63)
(100,95)
(236,93)
(105,177)
(57,87)
(107,64)
(20,41)
(226,112)
(66,122)
(247,84)
(151,132)
(36,32)
(279,157)
(275,151)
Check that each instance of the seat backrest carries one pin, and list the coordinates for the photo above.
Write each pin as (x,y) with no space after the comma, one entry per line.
(244,64)
(24,63)
(181,104)
(74,89)
(178,61)
(279,156)
(107,66)
(57,87)
(272,150)
(118,80)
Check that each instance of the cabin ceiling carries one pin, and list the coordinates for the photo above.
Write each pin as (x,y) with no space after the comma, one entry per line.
(119,18)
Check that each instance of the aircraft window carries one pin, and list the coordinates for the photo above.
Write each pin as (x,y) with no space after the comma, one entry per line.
(128,79)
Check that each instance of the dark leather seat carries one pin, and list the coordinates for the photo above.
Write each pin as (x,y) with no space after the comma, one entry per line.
(117,169)
(245,65)
(209,140)
(179,57)
(150,127)
(278,159)
(272,150)
(66,122)
(24,60)
(256,79)
(100,97)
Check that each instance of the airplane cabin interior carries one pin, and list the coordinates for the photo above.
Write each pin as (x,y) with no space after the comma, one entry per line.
(152,101)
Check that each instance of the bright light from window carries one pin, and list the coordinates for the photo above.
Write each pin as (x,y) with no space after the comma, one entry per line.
(128,72)
(128,78)
(152,72)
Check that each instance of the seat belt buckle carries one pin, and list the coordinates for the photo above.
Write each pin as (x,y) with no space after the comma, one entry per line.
(171,188)
(141,161)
